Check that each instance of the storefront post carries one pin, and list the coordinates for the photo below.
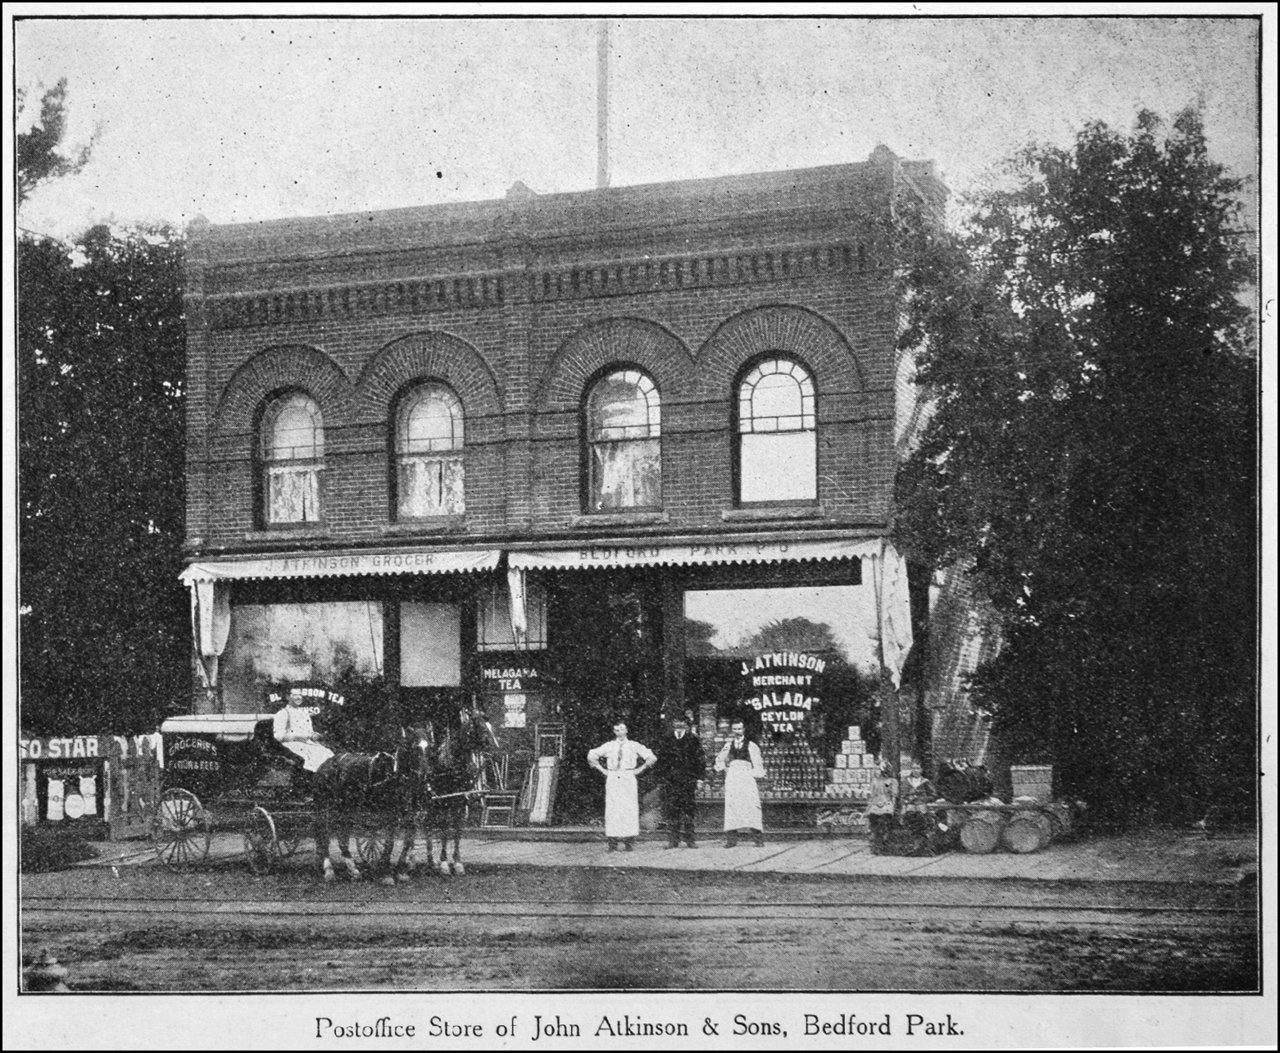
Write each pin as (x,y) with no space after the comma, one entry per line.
(890,736)
(673,645)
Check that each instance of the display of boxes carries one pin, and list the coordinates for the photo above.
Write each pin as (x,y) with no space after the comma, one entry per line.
(854,767)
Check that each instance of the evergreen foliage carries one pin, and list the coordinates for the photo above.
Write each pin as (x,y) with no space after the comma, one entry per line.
(1092,459)
(103,634)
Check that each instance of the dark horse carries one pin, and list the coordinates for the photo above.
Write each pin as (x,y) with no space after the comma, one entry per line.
(455,771)
(383,790)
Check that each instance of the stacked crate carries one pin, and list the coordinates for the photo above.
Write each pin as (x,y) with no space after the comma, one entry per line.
(854,769)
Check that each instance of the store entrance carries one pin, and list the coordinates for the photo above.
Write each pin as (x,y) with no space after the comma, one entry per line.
(606,641)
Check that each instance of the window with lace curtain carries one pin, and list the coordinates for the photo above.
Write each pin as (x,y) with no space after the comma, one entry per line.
(428,444)
(292,457)
(777,434)
(624,455)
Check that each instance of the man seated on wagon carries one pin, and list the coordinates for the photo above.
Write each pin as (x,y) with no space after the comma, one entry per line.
(293,730)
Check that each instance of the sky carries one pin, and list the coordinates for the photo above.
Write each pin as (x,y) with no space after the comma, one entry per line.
(242,119)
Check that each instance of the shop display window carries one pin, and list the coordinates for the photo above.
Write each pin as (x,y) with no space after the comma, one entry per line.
(493,618)
(784,660)
(430,645)
(292,456)
(275,643)
(624,456)
(428,442)
(777,434)
(796,665)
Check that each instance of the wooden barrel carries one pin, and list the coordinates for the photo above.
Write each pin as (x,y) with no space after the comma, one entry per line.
(981,833)
(1027,833)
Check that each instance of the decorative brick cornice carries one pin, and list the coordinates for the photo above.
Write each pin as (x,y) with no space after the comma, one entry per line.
(539,284)
(694,271)
(357,299)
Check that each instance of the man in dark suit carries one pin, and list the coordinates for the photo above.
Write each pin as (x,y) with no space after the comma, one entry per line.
(682,766)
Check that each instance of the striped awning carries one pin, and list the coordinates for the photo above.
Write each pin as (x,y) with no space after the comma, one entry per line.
(598,556)
(345,564)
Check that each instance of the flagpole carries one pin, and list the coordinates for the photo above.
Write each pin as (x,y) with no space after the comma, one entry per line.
(602,105)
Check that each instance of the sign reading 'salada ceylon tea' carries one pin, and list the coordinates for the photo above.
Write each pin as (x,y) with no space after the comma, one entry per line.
(782,687)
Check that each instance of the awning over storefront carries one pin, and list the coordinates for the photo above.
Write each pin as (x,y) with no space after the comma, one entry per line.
(597,556)
(210,589)
(345,564)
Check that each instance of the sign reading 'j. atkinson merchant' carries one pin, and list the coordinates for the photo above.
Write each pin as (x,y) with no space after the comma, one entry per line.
(782,687)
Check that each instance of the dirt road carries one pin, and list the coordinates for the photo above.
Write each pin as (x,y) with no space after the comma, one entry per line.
(516,928)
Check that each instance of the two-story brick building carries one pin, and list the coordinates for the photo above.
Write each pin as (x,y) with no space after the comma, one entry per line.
(576,455)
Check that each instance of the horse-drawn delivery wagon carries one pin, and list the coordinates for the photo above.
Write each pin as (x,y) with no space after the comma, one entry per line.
(229,771)
(225,770)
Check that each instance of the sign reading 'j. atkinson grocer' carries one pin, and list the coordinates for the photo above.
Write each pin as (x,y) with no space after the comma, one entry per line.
(782,687)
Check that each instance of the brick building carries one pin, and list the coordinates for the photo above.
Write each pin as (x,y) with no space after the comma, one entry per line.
(554,452)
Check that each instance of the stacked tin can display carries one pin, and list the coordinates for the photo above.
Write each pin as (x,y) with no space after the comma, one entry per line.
(854,768)
(794,769)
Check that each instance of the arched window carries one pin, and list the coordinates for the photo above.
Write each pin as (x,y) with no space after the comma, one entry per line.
(292,455)
(624,455)
(777,434)
(428,444)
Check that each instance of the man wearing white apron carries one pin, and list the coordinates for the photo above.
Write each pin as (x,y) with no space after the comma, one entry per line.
(292,729)
(742,764)
(616,761)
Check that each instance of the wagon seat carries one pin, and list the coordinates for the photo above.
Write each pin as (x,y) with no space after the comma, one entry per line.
(276,764)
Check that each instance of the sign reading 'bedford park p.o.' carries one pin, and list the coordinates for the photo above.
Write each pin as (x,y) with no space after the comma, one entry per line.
(783,687)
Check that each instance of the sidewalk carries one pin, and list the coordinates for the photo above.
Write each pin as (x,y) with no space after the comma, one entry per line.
(1162,856)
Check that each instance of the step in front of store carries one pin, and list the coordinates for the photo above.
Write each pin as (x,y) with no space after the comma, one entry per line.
(784,819)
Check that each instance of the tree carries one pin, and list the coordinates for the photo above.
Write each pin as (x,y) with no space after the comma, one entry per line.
(104,637)
(1092,458)
(38,157)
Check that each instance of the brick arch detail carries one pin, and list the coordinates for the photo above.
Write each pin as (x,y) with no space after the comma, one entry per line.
(436,355)
(655,349)
(290,366)
(799,331)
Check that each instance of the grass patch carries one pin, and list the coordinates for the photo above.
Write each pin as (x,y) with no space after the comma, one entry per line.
(43,849)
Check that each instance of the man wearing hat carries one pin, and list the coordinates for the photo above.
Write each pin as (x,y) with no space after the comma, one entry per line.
(681,771)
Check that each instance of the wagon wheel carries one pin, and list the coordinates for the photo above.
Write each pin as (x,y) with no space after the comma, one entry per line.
(180,829)
(375,842)
(289,835)
(290,842)
(261,846)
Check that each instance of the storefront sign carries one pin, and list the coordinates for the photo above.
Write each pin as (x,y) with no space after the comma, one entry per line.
(192,755)
(841,816)
(514,714)
(691,553)
(782,687)
(62,778)
(514,672)
(324,565)
(58,748)
(313,698)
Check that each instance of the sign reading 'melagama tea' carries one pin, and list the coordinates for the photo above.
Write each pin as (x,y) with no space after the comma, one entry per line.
(783,687)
